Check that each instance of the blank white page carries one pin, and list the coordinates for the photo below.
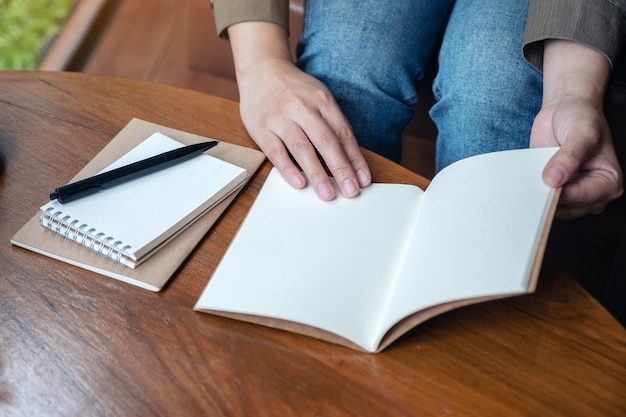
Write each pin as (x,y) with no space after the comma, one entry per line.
(477,231)
(324,264)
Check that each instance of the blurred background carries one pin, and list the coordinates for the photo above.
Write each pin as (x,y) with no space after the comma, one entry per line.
(26,29)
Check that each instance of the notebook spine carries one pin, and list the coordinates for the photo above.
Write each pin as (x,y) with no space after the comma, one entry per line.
(88,237)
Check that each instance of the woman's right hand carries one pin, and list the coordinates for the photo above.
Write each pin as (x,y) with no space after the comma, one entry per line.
(287,111)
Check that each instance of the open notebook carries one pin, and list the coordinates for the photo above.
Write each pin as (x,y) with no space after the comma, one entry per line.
(361,272)
(149,221)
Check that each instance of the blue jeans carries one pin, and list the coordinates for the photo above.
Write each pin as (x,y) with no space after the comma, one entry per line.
(372,56)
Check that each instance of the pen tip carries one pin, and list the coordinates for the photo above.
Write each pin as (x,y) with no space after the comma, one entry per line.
(54,195)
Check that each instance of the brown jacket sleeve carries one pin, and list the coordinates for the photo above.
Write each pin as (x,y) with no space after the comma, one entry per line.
(598,24)
(229,12)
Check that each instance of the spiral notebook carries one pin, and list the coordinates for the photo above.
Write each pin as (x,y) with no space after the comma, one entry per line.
(127,223)
(141,231)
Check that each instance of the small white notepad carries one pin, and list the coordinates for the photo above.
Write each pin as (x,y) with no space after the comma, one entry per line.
(129,222)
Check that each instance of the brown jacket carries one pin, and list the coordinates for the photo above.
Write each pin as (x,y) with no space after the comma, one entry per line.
(599,24)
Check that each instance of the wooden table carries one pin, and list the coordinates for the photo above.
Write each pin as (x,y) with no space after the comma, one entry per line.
(73,343)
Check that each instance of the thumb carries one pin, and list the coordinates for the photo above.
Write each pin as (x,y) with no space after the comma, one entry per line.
(566,162)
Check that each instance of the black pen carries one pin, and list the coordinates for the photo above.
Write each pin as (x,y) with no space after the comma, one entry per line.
(129,172)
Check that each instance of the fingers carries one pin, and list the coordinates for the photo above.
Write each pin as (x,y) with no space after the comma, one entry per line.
(589,193)
(585,165)
(331,136)
(568,160)
(305,135)
(318,150)
(274,149)
(590,176)
(304,154)
(290,114)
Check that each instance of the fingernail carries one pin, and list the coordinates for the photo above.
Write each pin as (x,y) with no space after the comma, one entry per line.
(364,178)
(325,191)
(297,181)
(350,188)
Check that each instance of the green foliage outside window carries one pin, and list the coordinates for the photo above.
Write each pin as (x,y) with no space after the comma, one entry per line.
(26,27)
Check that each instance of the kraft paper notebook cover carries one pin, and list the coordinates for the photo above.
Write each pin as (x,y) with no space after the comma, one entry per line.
(172,226)
(361,272)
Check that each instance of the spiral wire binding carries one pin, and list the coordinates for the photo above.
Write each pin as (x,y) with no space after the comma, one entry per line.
(51,219)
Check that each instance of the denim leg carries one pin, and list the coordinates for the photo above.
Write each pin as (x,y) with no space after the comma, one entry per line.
(371,56)
(488,95)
